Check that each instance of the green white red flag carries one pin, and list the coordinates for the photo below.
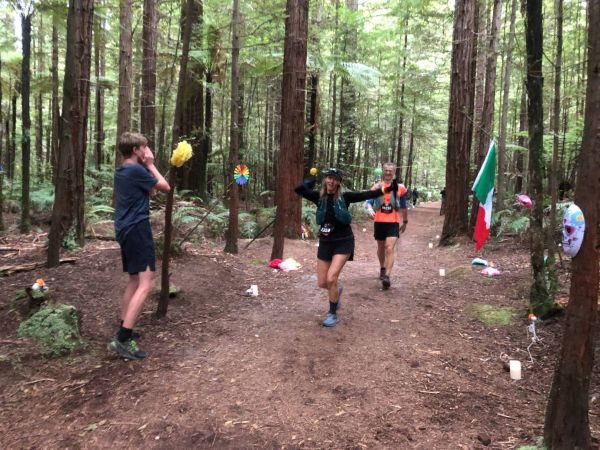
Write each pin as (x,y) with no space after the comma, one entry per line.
(484,191)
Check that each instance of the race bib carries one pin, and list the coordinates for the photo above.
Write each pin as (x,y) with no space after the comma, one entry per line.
(386,208)
(326,230)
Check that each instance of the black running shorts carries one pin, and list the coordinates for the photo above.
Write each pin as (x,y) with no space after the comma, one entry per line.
(338,247)
(383,230)
(137,249)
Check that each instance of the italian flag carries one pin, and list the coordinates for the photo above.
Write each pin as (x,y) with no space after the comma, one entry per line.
(484,191)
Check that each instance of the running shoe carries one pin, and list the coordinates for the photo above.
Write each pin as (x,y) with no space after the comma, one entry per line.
(385,282)
(128,349)
(331,320)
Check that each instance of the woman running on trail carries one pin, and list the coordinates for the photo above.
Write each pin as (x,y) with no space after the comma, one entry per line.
(336,240)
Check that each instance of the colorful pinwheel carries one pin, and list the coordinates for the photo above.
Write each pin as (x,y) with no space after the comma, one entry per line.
(241,174)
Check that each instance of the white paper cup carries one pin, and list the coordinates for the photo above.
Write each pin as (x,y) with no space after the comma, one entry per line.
(442,272)
(431,245)
(254,290)
(515,369)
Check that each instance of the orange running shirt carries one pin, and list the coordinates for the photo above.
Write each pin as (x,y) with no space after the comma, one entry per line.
(394,216)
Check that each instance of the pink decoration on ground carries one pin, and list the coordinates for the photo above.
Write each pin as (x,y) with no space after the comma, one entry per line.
(525,201)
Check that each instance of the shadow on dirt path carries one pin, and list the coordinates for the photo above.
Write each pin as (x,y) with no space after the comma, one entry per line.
(410,367)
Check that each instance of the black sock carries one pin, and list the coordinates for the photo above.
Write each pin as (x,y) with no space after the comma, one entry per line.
(124,334)
(382,271)
(332,307)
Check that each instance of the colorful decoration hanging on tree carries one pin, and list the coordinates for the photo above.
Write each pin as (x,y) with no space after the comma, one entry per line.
(241,174)
(313,171)
(181,154)
(378,171)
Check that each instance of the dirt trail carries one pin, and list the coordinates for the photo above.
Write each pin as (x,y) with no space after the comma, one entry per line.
(410,367)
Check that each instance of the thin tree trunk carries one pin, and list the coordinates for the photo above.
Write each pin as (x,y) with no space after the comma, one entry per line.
(25,120)
(504,115)
(99,64)
(522,142)
(39,106)
(55,100)
(125,71)
(567,423)
(148,98)
(231,244)
(288,217)
(555,170)
(539,299)
(401,112)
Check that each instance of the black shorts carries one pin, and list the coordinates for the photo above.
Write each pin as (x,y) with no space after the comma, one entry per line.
(338,247)
(137,249)
(384,230)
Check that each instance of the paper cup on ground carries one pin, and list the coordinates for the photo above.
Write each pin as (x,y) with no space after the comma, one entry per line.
(515,369)
(442,272)
(254,290)
(430,245)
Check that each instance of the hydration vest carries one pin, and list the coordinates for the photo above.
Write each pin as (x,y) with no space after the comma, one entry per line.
(395,196)
(340,210)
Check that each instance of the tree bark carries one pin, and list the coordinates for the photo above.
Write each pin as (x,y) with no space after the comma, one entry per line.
(459,123)
(125,71)
(39,106)
(25,120)
(231,244)
(148,97)
(522,142)
(99,64)
(400,137)
(539,296)
(504,114)
(567,419)
(67,213)
(55,99)
(288,215)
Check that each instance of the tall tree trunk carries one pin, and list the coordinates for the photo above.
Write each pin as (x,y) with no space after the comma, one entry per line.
(1,154)
(401,112)
(12,155)
(567,419)
(312,119)
(148,99)
(67,213)
(504,114)
(485,127)
(25,120)
(459,124)
(522,142)
(189,118)
(539,298)
(231,244)
(555,170)
(55,99)
(125,71)
(99,65)
(39,105)
(288,215)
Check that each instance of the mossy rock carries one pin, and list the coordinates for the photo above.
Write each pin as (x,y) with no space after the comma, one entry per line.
(493,315)
(55,327)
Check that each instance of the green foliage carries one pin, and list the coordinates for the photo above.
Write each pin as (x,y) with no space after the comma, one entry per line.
(42,198)
(55,327)
(493,315)
(309,219)
(248,226)
(515,221)
(70,240)
(539,445)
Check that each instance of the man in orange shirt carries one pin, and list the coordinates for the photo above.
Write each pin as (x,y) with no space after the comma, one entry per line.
(386,211)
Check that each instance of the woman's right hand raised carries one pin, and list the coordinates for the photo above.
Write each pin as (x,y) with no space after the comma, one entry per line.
(309,183)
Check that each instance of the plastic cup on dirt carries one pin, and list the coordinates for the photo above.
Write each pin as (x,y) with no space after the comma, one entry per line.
(431,245)
(442,272)
(515,369)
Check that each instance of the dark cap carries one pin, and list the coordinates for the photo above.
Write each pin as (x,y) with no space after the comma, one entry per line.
(333,172)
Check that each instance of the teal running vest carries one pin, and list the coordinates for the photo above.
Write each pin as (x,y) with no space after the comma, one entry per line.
(339,208)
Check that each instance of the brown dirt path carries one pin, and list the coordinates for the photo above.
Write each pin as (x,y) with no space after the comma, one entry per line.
(410,367)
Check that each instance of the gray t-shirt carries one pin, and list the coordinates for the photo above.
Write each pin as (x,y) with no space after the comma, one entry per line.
(132,197)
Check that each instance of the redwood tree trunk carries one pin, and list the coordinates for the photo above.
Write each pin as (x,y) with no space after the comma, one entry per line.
(67,213)
(288,217)
(25,120)
(459,123)
(148,98)
(567,420)
(231,244)
(539,295)
(125,71)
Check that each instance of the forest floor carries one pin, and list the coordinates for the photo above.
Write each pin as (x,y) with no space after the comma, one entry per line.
(410,367)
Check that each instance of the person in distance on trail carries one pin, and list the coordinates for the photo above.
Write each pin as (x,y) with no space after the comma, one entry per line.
(135,179)
(336,240)
(386,211)
(415,197)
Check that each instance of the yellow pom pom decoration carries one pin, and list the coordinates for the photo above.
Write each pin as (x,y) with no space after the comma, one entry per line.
(181,154)
(313,171)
